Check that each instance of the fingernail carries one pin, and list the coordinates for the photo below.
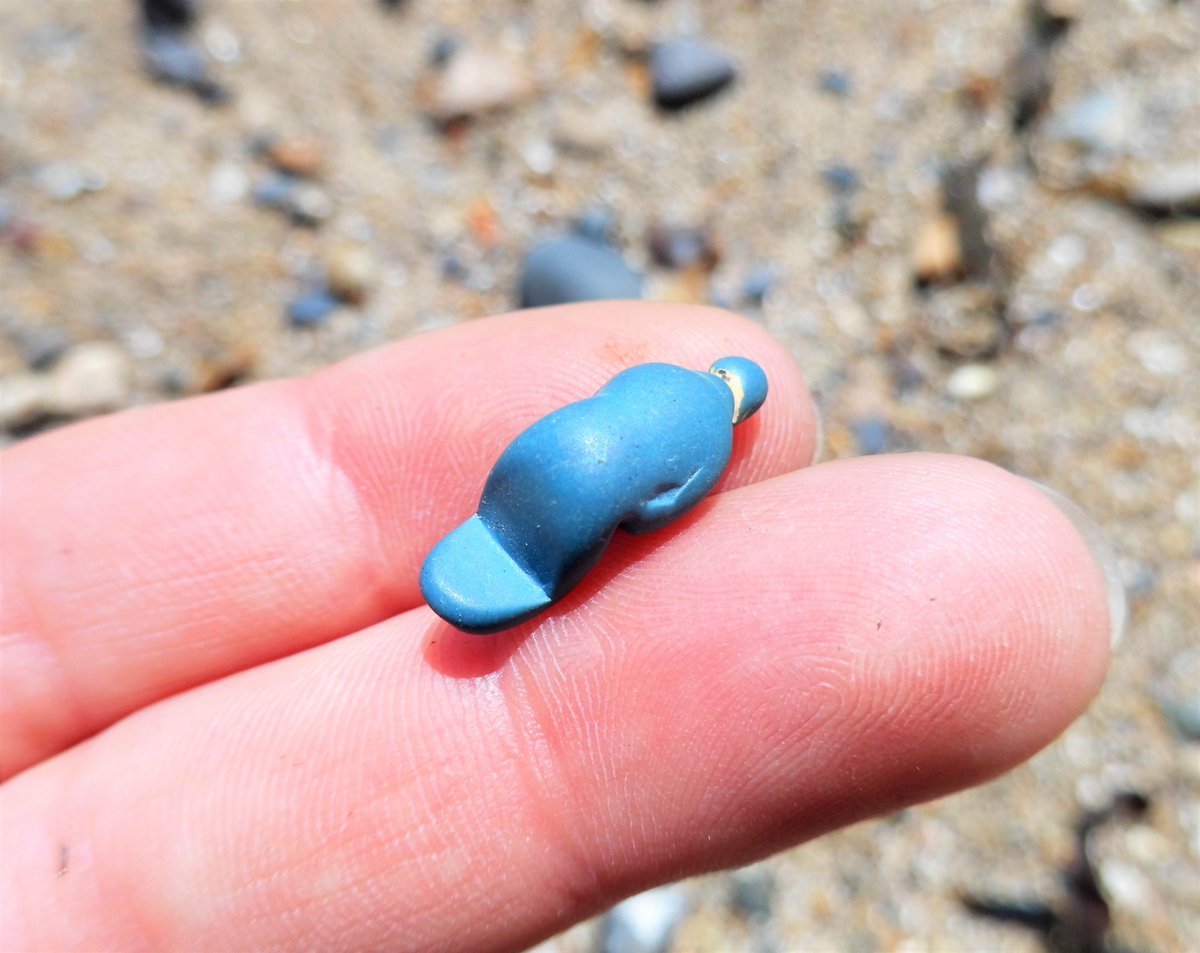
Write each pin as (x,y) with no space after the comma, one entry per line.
(1102,552)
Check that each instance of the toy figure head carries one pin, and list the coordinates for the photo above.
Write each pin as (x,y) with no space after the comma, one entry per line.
(747,381)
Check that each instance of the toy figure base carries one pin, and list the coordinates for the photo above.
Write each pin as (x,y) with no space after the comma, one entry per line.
(472,583)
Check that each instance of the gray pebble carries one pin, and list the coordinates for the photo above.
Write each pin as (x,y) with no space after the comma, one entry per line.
(478,80)
(40,347)
(681,246)
(178,14)
(1100,122)
(275,191)
(1139,578)
(64,181)
(311,308)
(1169,189)
(872,435)
(172,58)
(88,379)
(574,268)
(687,71)
(644,924)
(453,268)
(1183,714)
(835,82)
(587,130)
(960,186)
(305,202)
(444,47)
(1178,694)
(841,179)
(351,271)
(753,893)
(310,205)
(24,399)
(758,285)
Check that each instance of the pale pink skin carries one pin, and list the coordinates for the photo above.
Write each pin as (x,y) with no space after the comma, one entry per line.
(230,723)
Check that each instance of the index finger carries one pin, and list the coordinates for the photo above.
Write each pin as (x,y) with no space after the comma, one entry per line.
(166,547)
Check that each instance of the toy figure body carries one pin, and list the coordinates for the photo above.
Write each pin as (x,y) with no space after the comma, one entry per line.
(638,455)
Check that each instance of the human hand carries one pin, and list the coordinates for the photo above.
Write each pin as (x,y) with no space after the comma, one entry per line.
(230,723)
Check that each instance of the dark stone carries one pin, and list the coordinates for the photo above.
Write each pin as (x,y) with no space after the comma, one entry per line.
(1140,578)
(453,268)
(681,246)
(1183,714)
(758,285)
(835,82)
(1082,921)
(687,71)
(574,268)
(872,435)
(275,191)
(311,308)
(847,221)
(43,347)
(1032,72)
(172,58)
(1167,189)
(176,14)
(960,185)
(174,382)
(443,49)
(841,179)
(753,894)
(906,376)
(1047,26)
(310,205)
(304,202)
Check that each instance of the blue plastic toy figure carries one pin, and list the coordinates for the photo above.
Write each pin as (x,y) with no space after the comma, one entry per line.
(638,455)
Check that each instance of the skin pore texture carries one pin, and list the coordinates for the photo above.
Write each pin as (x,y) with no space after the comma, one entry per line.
(231,723)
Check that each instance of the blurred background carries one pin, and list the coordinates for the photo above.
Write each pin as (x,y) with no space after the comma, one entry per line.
(975,223)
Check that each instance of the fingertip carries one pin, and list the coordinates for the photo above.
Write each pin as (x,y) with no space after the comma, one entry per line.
(1034,605)
(971,611)
(1102,553)
(1069,576)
